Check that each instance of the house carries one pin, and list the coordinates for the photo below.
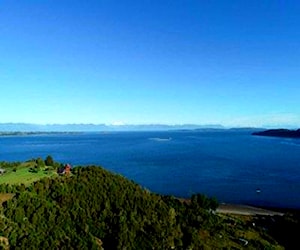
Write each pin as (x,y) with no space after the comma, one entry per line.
(2,171)
(66,169)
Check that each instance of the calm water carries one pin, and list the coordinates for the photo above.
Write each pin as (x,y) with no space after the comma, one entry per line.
(229,165)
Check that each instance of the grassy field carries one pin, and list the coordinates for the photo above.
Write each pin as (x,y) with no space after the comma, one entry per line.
(23,174)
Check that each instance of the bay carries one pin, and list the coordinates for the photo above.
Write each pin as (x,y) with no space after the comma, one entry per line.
(230,165)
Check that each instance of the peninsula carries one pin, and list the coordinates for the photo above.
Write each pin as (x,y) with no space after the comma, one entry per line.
(92,208)
(279,133)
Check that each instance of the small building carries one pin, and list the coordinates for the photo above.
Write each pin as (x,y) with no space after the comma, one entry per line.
(2,171)
(66,169)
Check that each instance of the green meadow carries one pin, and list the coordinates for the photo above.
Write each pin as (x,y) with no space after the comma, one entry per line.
(25,173)
(24,176)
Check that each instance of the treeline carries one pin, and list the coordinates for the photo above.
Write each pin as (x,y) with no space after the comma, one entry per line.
(5,164)
(35,164)
(95,209)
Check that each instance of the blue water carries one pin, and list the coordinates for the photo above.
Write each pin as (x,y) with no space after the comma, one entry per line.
(229,165)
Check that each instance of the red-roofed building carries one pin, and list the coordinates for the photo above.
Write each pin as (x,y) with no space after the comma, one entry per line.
(65,170)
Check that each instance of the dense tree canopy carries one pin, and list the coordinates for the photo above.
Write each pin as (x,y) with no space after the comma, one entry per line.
(95,209)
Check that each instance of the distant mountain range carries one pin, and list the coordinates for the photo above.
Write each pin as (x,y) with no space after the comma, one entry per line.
(28,127)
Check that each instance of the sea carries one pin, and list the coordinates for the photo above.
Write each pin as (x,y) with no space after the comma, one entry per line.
(230,165)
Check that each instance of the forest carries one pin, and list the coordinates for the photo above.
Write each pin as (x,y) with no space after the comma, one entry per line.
(92,208)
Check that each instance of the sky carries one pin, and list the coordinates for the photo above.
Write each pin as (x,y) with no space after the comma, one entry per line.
(234,63)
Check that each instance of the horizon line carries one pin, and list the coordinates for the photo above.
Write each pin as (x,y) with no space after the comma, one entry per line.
(206,125)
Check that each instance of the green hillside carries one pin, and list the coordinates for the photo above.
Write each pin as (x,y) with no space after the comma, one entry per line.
(95,209)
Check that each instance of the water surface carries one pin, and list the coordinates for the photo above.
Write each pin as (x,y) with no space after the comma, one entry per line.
(230,165)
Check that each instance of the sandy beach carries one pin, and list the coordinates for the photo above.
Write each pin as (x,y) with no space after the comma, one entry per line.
(245,210)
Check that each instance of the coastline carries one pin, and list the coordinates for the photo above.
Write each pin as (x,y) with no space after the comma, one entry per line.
(243,209)
(240,209)
(281,133)
(18,133)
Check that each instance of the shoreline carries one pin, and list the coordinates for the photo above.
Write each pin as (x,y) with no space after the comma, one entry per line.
(27,133)
(244,209)
(240,209)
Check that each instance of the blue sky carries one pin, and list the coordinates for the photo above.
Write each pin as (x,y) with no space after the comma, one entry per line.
(235,63)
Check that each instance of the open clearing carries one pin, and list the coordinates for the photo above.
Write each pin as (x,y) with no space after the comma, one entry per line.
(23,175)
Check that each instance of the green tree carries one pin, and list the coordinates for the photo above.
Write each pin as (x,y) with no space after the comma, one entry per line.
(40,163)
(49,161)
